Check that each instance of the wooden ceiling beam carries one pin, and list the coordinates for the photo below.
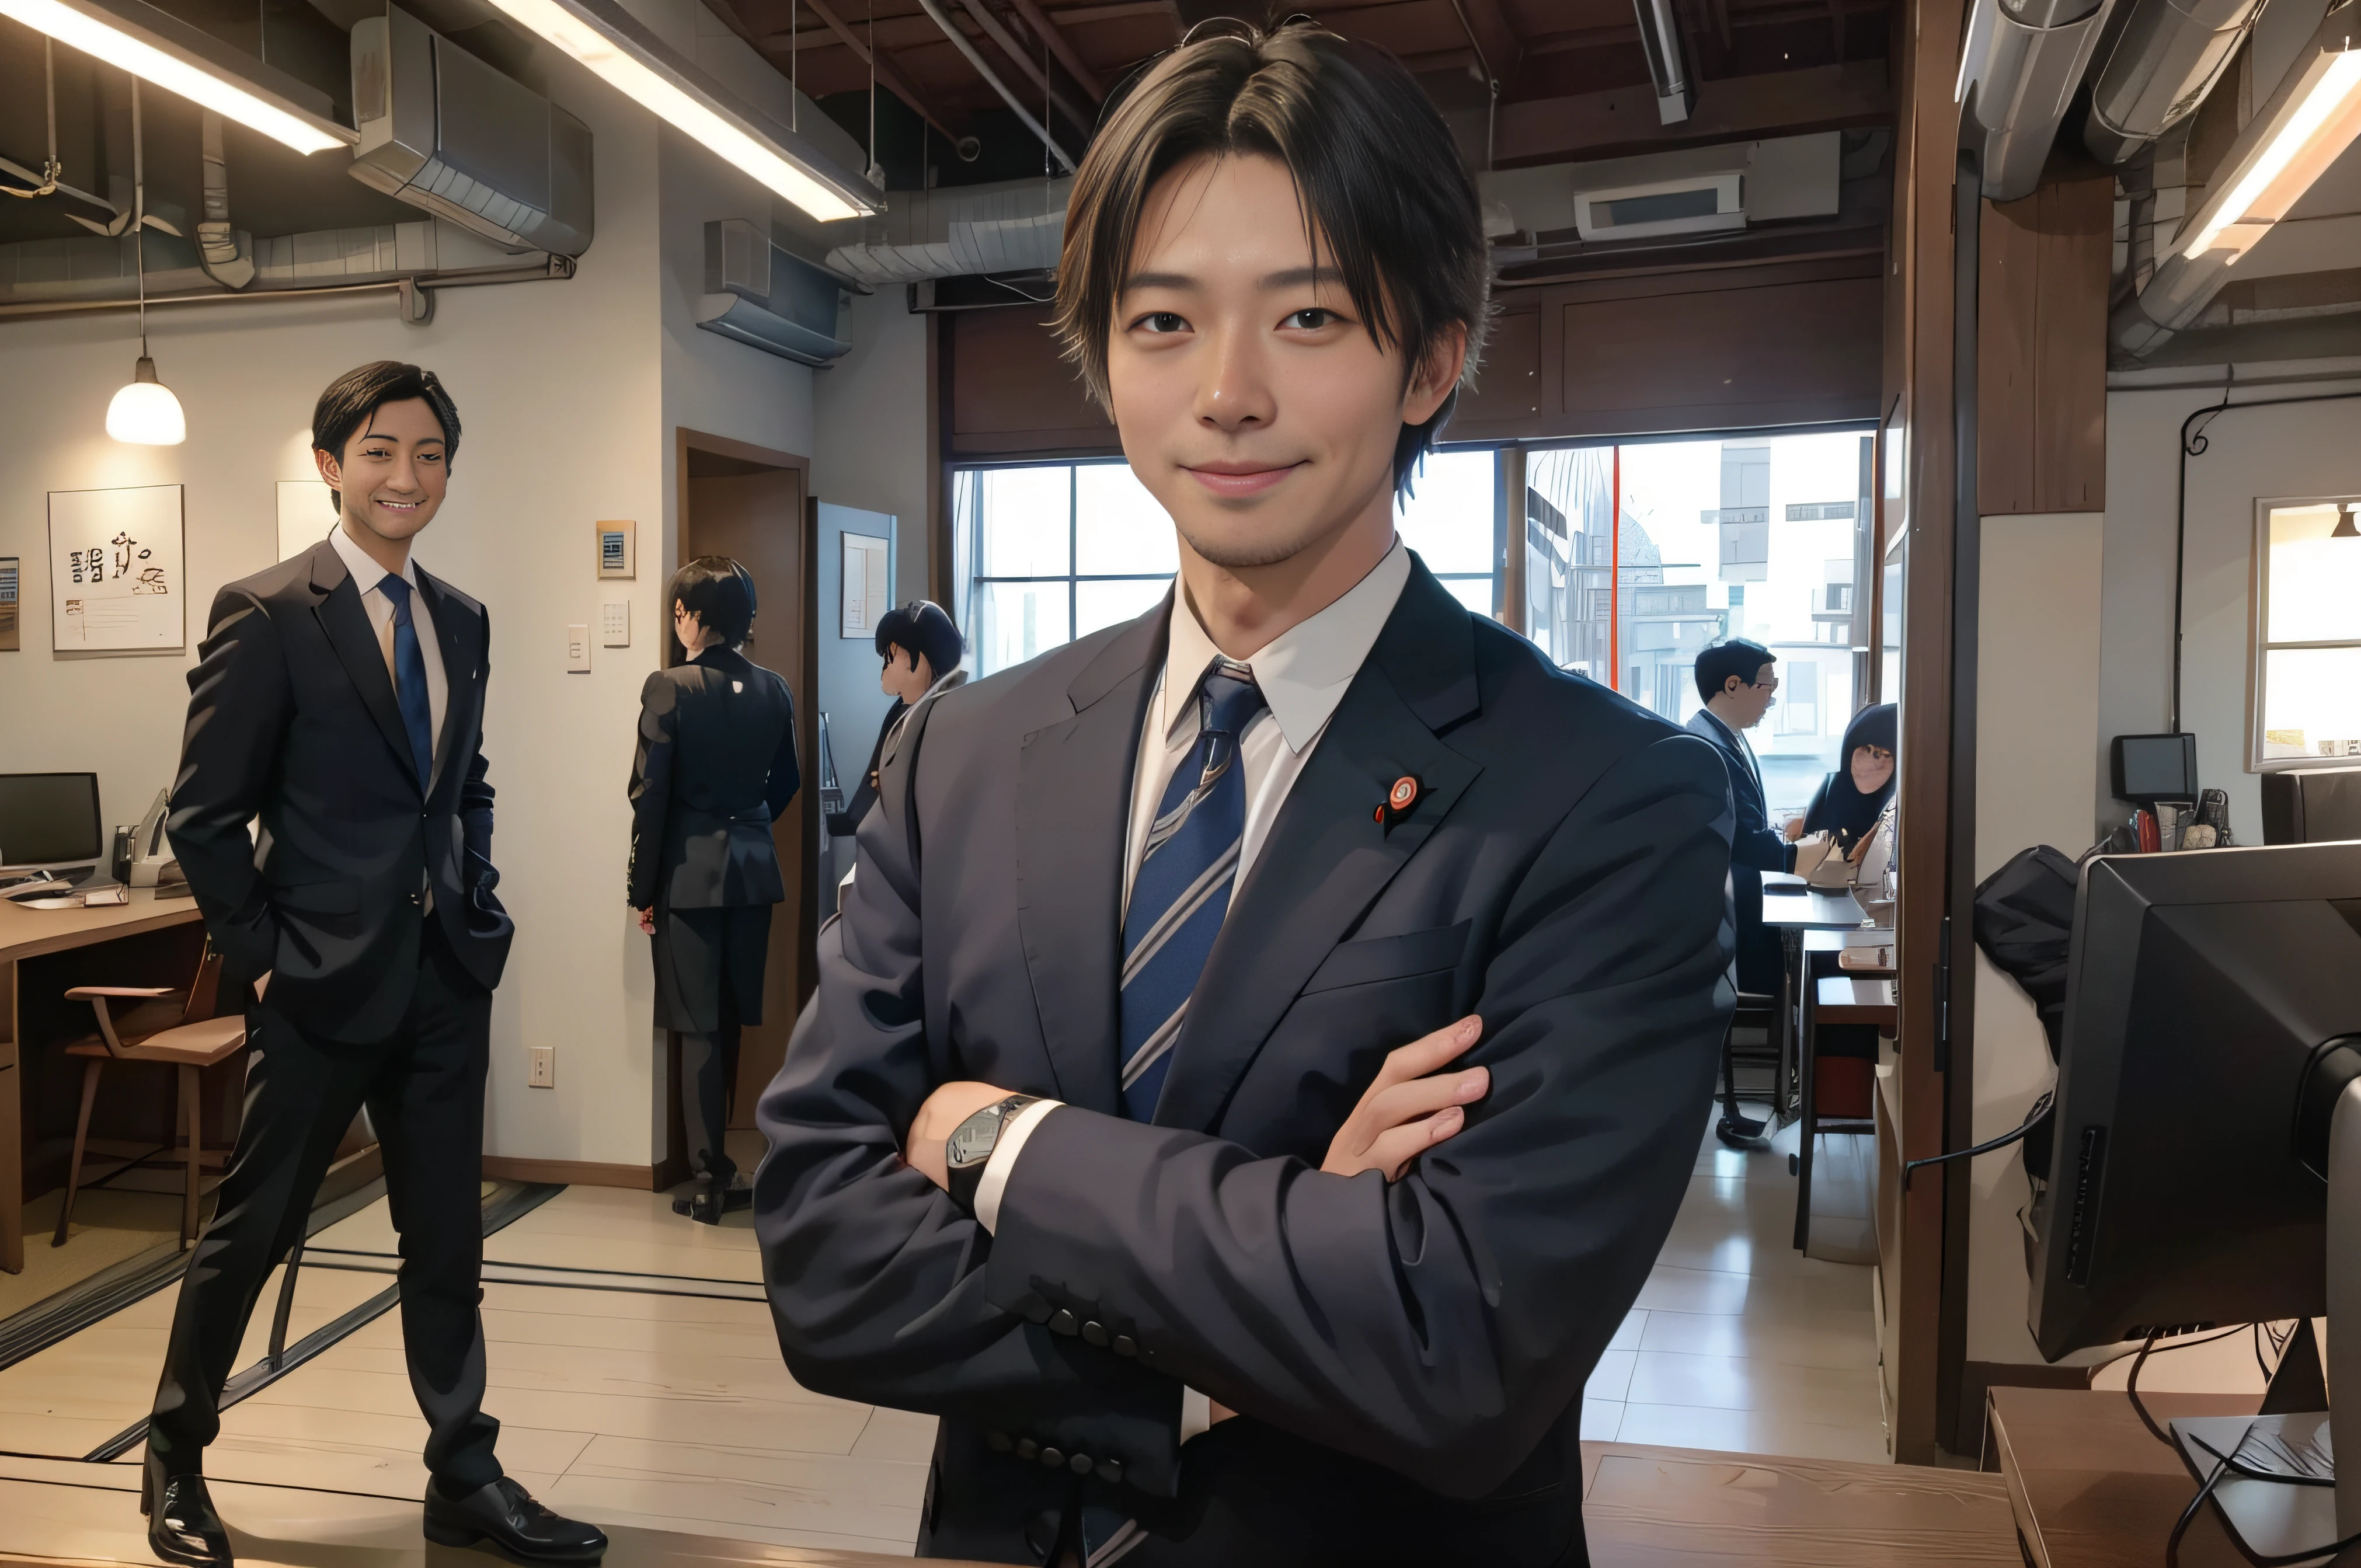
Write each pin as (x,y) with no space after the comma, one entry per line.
(1059,45)
(892,79)
(1623,120)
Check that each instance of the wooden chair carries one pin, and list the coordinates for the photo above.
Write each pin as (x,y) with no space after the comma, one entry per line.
(188,1038)
(1753,1011)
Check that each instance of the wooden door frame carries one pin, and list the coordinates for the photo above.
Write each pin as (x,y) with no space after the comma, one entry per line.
(672,1165)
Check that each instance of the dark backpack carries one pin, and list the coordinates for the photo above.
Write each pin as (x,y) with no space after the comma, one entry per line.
(2025,924)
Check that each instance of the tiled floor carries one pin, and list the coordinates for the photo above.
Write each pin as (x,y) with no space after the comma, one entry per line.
(1737,1340)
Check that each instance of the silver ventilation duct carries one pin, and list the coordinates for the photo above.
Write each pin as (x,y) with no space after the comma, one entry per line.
(767,298)
(1668,64)
(2023,61)
(1014,227)
(2163,61)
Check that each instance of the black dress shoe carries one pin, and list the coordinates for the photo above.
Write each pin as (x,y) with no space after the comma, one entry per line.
(181,1525)
(703,1207)
(504,1517)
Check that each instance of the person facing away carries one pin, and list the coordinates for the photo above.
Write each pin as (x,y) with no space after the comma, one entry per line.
(715,768)
(1847,804)
(338,700)
(918,644)
(1260,1057)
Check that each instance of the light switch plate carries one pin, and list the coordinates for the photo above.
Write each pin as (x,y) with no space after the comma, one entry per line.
(577,649)
(615,623)
(541,1066)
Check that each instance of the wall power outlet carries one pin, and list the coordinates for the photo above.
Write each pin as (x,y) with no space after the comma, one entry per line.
(541,1068)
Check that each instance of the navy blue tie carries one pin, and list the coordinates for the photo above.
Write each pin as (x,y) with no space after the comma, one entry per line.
(1182,892)
(410,679)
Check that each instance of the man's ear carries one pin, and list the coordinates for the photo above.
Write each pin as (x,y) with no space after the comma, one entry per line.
(331,471)
(1437,375)
(1730,684)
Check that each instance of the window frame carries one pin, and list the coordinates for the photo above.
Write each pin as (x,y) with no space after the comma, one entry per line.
(2259,646)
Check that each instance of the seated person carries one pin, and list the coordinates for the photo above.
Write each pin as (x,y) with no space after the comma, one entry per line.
(917,643)
(1847,802)
(1260,1057)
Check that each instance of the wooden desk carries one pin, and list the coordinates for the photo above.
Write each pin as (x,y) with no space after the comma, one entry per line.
(2090,1488)
(1849,999)
(1794,913)
(43,951)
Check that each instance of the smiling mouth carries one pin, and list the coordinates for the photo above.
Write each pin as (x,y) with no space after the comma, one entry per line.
(399,505)
(1233,481)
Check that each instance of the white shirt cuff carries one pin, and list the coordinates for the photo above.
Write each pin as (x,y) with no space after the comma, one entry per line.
(1196,1412)
(1004,1159)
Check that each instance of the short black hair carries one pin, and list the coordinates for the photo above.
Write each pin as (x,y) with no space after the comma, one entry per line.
(1736,657)
(352,399)
(1381,179)
(719,592)
(922,628)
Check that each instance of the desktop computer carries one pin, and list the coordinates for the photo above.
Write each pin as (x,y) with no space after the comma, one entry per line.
(2208,1149)
(50,822)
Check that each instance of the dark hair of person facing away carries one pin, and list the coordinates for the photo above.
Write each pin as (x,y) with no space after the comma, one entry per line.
(922,628)
(345,409)
(1380,181)
(719,592)
(1736,657)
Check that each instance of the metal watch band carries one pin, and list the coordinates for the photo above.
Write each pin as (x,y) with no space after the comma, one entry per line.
(963,1181)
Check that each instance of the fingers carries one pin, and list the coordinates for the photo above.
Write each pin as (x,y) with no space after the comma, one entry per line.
(1425,1054)
(1405,1102)
(1396,1147)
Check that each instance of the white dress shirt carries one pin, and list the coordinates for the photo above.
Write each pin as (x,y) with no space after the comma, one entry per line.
(367,575)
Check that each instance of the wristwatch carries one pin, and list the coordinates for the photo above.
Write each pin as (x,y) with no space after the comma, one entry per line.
(970,1147)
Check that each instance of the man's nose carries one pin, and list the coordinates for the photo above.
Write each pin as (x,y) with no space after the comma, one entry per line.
(1236,391)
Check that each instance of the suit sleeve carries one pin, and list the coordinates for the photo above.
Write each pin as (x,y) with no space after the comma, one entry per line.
(239,706)
(476,801)
(786,777)
(651,786)
(876,1278)
(1439,1325)
(1752,841)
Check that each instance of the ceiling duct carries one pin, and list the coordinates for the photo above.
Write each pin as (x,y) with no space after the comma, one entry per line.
(1017,227)
(1668,64)
(767,298)
(2023,61)
(2165,60)
(441,131)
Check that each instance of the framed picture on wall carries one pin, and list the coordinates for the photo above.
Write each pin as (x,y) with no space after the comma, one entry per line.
(868,594)
(116,579)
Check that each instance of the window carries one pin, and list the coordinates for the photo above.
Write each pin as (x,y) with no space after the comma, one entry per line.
(2307,637)
(1047,552)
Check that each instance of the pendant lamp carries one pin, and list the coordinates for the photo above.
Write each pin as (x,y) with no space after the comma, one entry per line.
(144,413)
(2344,529)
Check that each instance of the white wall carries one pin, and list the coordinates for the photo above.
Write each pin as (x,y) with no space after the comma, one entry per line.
(2305,450)
(872,448)
(568,392)
(2036,706)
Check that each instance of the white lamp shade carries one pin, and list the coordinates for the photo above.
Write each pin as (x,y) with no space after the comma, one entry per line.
(147,415)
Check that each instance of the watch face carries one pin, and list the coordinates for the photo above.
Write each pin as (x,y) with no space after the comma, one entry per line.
(971,1141)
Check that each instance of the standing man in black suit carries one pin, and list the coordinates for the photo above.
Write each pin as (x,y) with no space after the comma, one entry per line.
(339,699)
(1260,1054)
(714,769)
(1737,683)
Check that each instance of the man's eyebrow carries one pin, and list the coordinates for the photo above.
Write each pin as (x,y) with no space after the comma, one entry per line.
(1156,280)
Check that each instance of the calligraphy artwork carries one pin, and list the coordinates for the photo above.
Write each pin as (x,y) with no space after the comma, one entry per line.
(116,580)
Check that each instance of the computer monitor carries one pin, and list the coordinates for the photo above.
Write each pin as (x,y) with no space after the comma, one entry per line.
(2312,805)
(2213,1005)
(2145,769)
(50,822)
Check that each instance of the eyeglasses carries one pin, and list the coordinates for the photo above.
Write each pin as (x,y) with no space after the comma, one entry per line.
(1770,685)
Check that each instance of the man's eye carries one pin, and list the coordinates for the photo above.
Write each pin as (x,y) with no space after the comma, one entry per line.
(1164,321)
(1312,320)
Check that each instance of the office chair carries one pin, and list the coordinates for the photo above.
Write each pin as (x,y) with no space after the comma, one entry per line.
(1758,1012)
(189,1038)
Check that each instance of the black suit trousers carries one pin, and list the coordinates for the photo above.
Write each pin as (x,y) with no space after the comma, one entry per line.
(424,1085)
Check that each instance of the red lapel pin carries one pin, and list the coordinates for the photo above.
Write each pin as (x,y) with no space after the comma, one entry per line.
(1398,801)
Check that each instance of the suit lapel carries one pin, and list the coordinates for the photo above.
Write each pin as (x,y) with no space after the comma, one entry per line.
(463,689)
(1327,857)
(1074,805)
(347,627)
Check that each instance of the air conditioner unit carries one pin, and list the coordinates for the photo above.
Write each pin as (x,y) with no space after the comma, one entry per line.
(767,298)
(441,131)
(1694,203)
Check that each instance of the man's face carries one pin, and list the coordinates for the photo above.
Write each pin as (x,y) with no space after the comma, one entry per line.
(392,473)
(1251,400)
(1743,706)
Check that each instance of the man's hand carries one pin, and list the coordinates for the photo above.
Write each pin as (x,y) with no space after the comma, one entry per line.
(945,1109)
(1412,1106)
(648,919)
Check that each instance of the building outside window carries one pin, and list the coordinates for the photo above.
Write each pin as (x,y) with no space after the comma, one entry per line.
(2307,658)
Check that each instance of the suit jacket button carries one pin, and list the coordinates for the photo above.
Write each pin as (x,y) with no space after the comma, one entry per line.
(1095,1333)
(1125,1346)
(1064,1322)
(1027,1448)
(1110,1469)
(1053,1459)
(997,1441)
(1080,1464)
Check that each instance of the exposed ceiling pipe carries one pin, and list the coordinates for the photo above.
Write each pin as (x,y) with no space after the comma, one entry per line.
(1063,47)
(2165,61)
(219,252)
(1668,65)
(1018,53)
(992,78)
(2023,61)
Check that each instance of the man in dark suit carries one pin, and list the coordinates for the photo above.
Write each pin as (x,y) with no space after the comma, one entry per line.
(1260,1053)
(1736,681)
(339,699)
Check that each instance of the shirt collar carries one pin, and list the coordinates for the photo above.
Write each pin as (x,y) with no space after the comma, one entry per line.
(366,571)
(1303,671)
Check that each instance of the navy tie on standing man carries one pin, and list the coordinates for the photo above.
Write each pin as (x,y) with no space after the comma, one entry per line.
(338,703)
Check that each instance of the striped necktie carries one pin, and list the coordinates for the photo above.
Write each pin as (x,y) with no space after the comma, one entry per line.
(410,679)
(1183,889)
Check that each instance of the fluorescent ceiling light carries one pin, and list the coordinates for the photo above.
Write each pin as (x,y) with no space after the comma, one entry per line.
(630,59)
(160,48)
(2315,123)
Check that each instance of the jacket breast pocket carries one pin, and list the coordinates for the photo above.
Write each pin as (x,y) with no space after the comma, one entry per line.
(1437,948)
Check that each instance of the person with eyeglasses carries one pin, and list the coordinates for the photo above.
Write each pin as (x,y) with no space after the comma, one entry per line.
(714,770)
(1737,683)
(921,648)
